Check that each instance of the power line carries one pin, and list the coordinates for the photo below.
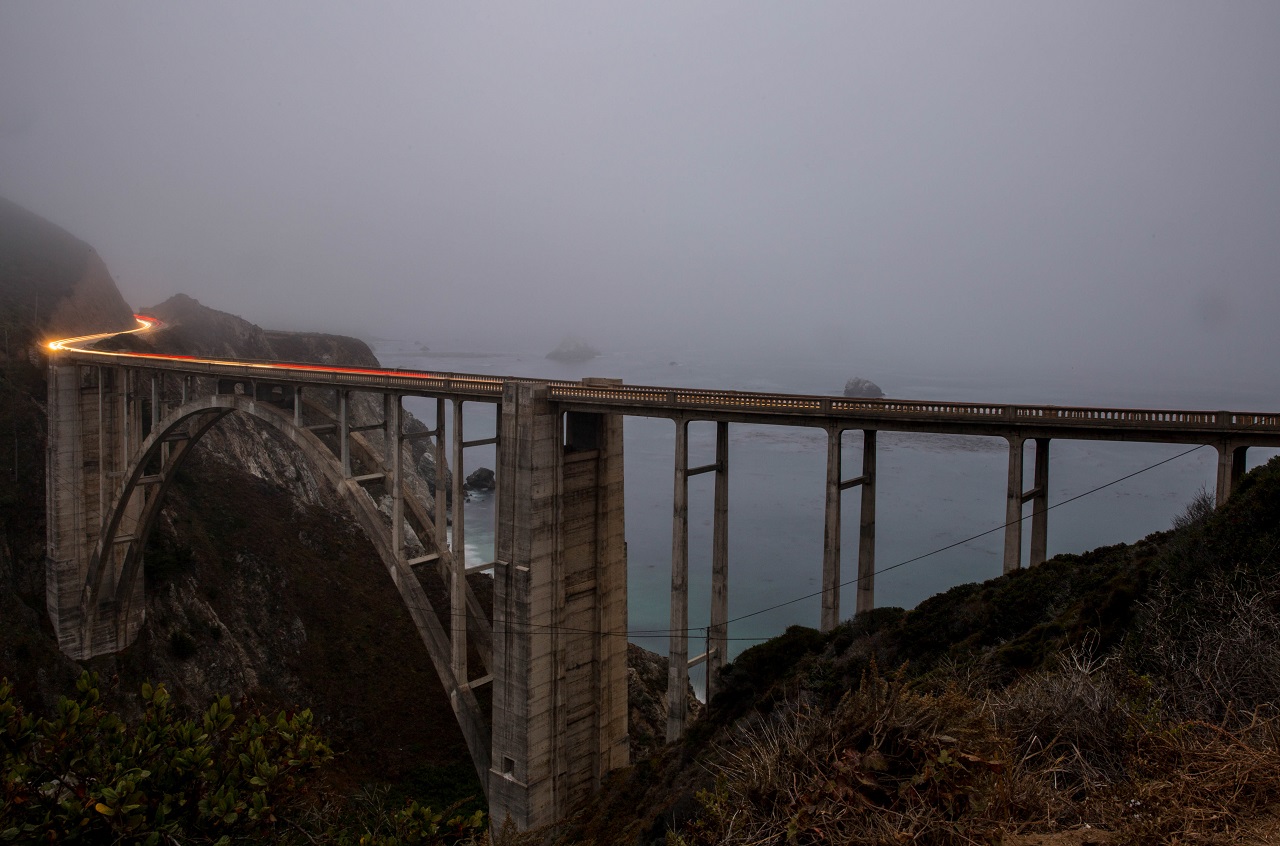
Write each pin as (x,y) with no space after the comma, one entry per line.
(549,628)
(969,539)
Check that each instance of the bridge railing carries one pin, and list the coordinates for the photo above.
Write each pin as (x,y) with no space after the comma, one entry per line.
(644,398)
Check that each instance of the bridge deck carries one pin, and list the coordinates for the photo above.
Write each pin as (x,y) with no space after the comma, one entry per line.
(990,419)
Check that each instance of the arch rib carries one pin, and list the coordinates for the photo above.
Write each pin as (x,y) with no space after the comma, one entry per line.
(207,411)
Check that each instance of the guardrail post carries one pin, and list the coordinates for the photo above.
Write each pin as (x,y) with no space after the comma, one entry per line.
(1013,507)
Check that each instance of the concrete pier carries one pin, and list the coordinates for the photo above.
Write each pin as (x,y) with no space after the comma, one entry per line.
(1038,496)
(560,689)
(1231,464)
(831,570)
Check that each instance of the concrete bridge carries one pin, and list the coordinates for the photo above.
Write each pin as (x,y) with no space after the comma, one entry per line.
(544,712)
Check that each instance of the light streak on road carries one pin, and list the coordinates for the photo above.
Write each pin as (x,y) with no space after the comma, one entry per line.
(84,344)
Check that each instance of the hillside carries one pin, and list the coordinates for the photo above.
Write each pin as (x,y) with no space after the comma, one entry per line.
(1127,695)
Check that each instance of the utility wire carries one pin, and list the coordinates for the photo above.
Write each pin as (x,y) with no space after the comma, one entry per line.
(551,628)
(969,539)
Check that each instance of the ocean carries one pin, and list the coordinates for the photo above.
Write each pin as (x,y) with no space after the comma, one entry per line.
(933,490)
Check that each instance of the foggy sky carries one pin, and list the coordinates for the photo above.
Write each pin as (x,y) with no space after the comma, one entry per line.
(1076,188)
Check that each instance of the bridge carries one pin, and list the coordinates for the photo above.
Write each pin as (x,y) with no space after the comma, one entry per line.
(538,683)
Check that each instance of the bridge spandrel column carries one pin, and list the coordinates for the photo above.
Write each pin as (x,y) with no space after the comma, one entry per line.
(1040,505)
(71,499)
(718,635)
(678,650)
(831,536)
(1013,507)
(867,526)
(559,650)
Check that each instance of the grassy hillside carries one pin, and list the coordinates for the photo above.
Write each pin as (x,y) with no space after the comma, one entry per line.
(1127,695)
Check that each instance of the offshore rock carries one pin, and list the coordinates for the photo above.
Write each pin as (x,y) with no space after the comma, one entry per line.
(481,480)
(864,388)
(573,351)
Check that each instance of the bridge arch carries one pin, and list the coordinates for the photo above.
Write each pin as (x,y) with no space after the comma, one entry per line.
(112,592)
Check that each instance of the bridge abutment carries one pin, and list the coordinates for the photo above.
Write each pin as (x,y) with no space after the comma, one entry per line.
(560,608)
(92,428)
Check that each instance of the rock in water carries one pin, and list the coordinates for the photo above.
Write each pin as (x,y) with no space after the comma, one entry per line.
(865,388)
(573,350)
(480,480)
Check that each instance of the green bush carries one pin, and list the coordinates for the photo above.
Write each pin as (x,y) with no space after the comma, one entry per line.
(85,776)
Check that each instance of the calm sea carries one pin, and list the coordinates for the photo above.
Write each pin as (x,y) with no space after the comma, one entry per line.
(933,490)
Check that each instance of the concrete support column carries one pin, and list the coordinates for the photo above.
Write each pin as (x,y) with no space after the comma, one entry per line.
(103,443)
(344,432)
(458,578)
(1013,507)
(559,645)
(297,406)
(441,497)
(678,669)
(1231,464)
(867,526)
(395,468)
(124,379)
(831,536)
(459,538)
(1039,498)
(155,400)
(718,634)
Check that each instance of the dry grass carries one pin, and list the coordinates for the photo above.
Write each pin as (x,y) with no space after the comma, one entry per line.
(887,765)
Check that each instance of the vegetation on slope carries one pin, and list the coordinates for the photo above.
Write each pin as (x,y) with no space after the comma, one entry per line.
(85,775)
(1128,694)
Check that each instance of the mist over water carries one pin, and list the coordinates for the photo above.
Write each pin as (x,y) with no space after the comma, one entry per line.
(933,490)
(1071,203)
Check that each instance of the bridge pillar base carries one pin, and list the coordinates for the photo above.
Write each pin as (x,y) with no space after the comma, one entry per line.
(1231,464)
(560,687)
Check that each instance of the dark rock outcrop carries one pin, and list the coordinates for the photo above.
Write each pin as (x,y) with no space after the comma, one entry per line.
(864,388)
(573,351)
(647,701)
(481,480)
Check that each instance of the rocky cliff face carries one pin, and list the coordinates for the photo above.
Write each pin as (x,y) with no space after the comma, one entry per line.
(647,701)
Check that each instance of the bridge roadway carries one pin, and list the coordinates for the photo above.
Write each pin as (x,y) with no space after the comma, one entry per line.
(561,524)
(954,418)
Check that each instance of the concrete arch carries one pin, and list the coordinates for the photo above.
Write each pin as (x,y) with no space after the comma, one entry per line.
(113,582)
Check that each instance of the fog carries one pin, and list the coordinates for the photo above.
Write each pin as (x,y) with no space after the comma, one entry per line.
(1080,190)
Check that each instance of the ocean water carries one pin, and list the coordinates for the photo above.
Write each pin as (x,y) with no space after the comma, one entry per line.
(933,490)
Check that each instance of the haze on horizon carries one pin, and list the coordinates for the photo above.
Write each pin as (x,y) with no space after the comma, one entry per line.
(1086,189)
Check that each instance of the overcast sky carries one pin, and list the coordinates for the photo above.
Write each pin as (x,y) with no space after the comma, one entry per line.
(1081,187)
